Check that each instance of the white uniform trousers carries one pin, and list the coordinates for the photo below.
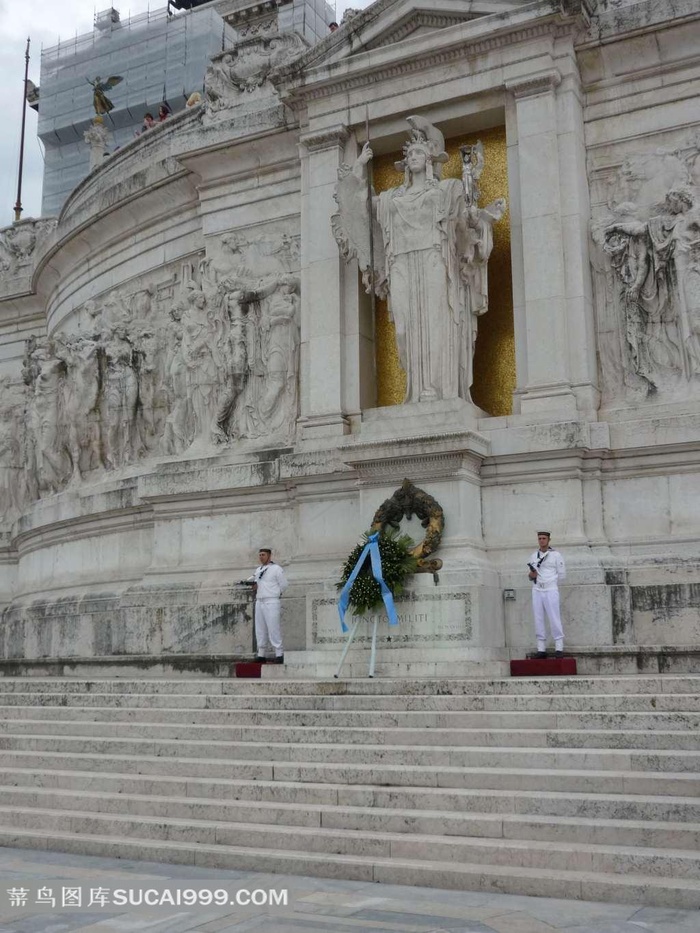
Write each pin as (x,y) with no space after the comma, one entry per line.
(547,601)
(267,626)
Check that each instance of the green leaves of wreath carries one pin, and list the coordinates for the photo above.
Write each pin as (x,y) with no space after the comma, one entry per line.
(398,563)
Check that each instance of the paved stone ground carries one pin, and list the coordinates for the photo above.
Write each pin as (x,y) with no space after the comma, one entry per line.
(314,905)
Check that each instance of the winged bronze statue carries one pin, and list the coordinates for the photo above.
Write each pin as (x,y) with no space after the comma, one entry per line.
(100,101)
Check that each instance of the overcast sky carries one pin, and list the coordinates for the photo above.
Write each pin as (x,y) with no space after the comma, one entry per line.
(45,21)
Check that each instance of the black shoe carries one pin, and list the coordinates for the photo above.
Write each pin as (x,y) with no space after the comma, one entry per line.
(279,660)
(541,655)
(260,660)
(558,654)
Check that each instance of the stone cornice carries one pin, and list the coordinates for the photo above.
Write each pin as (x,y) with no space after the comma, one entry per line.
(357,33)
(403,66)
(418,467)
(332,137)
(443,455)
(540,83)
(241,14)
(535,467)
(13,320)
(446,440)
(61,531)
(585,463)
(423,20)
(310,79)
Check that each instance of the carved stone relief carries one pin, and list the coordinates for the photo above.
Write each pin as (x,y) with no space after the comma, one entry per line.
(264,27)
(648,275)
(207,357)
(240,76)
(17,248)
(13,492)
(270,400)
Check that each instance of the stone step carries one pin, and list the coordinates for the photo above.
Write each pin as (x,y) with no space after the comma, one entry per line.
(212,704)
(630,833)
(467,738)
(369,787)
(123,722)
(676,863)
(64,701)
(457,740)
(387,667)
(644,833)
(600,886)
(519,776)
(263,758)
(582,686)
(525,785)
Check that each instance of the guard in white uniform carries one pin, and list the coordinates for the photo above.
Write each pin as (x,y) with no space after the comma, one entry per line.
(547,570)
(270,583)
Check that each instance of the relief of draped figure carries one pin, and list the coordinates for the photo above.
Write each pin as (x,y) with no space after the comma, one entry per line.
(81,397)
(204,352)
(176,430)
(658,261)
(648,276)
(49,462)
(14,491)
(272,403)
(208,358)
(120,392)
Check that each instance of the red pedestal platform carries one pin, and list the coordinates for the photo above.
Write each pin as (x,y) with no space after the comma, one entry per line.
(249,669)
(542,667)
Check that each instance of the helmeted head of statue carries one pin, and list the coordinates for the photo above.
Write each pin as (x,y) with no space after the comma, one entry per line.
(423,152)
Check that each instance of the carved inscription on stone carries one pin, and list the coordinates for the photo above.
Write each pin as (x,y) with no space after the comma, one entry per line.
(424,618)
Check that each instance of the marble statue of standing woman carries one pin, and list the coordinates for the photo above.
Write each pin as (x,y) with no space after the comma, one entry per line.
(428,242)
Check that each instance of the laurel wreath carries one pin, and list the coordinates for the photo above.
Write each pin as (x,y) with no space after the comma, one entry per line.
(398,563)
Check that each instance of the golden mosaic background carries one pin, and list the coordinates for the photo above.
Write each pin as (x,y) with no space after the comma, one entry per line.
(494,361)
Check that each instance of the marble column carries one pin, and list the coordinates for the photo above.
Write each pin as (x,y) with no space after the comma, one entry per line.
(100,140)
(323,407)
(555,338)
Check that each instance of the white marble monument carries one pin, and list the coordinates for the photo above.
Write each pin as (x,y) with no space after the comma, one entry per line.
(200,356)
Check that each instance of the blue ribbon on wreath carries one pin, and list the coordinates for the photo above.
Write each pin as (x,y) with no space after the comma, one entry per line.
(371,548)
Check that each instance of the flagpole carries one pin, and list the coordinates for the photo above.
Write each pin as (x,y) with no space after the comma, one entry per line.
(373,297)
(18,205)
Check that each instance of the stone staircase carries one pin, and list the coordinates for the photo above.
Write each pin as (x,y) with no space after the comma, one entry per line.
(584,787)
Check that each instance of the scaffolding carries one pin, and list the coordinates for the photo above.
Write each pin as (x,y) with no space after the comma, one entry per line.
(310,18)
(161,58)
